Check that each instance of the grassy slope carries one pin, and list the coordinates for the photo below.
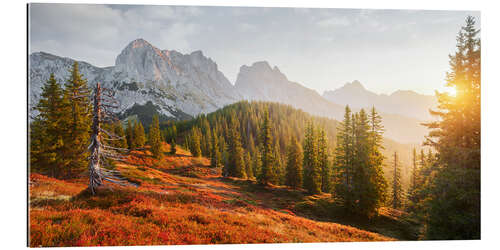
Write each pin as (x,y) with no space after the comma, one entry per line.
(180,200)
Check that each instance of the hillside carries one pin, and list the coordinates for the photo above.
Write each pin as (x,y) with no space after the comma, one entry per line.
(286,121)
(179,200)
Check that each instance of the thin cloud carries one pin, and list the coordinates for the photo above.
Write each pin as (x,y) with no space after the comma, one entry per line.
(334,22)
(320,48)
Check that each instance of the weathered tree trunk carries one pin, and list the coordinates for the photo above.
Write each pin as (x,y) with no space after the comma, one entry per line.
(95,178)
(100,153)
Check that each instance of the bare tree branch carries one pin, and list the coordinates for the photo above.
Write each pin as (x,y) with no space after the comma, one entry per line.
(99,150)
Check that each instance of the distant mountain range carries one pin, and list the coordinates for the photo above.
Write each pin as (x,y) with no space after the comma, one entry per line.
(402,102)
(260,82)
(181,86)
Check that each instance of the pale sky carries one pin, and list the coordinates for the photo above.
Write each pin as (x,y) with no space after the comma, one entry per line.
(322,49)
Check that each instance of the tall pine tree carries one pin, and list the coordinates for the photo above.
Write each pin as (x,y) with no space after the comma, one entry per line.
(453,205)
(324,165)
(139,135)
(358,172)
(294,164)
(397,190)
(343,160)
(45,134)
(312,172)
(248,166)
(216,155)
(155,137)
(376,192)
(76,132)
(195,142)
(267,173)
(121,142)
(236,165)
(414,172)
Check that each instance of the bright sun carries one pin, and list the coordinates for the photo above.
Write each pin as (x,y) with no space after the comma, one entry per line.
(452,91)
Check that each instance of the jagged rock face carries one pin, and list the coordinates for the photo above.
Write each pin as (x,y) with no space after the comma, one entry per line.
(175,83)
(42,64)
(180,86)
(260,82)
(407,103)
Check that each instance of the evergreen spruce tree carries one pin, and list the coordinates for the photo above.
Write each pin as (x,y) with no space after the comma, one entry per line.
(424,177)
(206,141)
(278,165)
(361,184)
(267,173)
(45,132)
(155,137)
(453,203)
(413,183)
(129,132)
(187,139)
(225,162)
(139,135)
(256,163)
(76,125)
(424,169)
(173,132)
(308,157)
(36,149)
(343,160)
(323,161)
(222,143)
(251,148)
(430,157)
(195,144)
(294,164)
(170,133)
(121,142)
(248,166)
(363,171)
(236,166)
(397,199)
(376,193)
(216,155)
(415,190)
(312,172)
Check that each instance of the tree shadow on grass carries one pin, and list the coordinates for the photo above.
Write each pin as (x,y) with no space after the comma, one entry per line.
(324,208)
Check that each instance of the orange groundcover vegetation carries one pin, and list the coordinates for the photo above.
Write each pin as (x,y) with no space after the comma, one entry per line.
(180,200)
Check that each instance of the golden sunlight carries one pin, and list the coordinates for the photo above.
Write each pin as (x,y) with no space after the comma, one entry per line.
(452,91)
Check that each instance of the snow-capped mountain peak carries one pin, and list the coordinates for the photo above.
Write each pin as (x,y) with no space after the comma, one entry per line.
(173,82)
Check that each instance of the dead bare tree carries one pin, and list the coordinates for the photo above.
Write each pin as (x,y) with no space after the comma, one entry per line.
(100,152)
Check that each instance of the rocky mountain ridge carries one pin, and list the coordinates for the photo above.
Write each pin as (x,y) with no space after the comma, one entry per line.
(401,102)
(181,86)
(261,82)
(176,84)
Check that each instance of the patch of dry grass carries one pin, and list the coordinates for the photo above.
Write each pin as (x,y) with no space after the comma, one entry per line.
(170,206)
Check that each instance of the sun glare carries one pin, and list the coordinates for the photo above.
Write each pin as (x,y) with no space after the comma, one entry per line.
(452,91)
